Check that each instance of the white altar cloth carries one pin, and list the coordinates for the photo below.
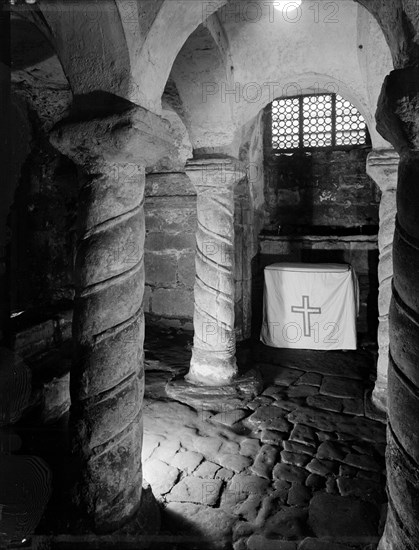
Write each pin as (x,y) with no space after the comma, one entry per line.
(310,306)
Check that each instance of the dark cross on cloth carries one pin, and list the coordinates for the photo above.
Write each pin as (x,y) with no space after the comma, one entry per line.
(306,310)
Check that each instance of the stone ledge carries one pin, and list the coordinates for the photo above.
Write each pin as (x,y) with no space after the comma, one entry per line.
(217,398)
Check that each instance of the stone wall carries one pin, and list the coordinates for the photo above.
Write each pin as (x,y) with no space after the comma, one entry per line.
(320,189)
(170,208)
(322,207)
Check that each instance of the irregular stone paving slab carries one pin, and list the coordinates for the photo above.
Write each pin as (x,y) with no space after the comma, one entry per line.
(331,486)
(289,523)
(261,400)
(208,446)
(303,434)
(249,508)
(315,481)
(242,529)
(150,443)
(334,363)
(279,375)
(363,488)
(288,404)
(278,424)
(319,544)
(229,447)
(270,437)
(337,387)
(271,392)
(269,506)
(363,448)
(311,379)
(287,472)
(298,495)
(265,461)
(224,474)
(242,484)
(294,447)
(249,447)
(329,449)
(187,461)
(229,418)
(340,517)
(234,462)
(326,436)
(347,471)
(265,414)
(354,406)
(196,490)
(166,451)
(302,391)
(364,462)
(358,428)
(259,542)
(281,489)
(325,402)
(372,476)
(160,476)
(320,467)
(200,523)
(296,459)
(207,469)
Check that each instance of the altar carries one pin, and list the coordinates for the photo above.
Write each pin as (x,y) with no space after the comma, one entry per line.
(310,306)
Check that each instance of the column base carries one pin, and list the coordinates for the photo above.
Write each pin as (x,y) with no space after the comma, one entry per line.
(224,397)
(212,368)
(138,533)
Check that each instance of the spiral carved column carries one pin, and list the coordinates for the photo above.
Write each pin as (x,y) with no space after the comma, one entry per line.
(398,121)
(107,376)
(213,357)
(382,166)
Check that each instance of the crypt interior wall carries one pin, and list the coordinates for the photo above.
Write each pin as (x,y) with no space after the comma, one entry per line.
(321,206)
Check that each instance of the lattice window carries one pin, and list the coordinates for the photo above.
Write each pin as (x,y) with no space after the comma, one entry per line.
(317,121)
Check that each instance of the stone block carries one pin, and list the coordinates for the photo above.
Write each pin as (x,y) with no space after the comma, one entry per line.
(172,303)
(187,461)
(160,268)
(157,242)
(186,269)
(338,517)
(290,473)
(196,490)
(234,462)
(265,461)
(199,524)
(170,184)
(207,470)
(160,476)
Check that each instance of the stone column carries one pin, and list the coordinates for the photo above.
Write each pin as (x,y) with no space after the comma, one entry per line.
(382,167)
(398,122)
(213,360)
(107,376)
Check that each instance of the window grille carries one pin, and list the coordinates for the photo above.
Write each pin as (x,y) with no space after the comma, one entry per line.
(317,121)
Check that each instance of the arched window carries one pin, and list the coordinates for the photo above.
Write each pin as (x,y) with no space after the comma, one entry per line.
(319,121)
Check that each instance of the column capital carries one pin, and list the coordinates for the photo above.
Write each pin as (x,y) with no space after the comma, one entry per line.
(382,167)
(221,173)
(134,136)
(396,116)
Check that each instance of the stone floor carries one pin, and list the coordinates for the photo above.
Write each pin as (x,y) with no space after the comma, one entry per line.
(300,467)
